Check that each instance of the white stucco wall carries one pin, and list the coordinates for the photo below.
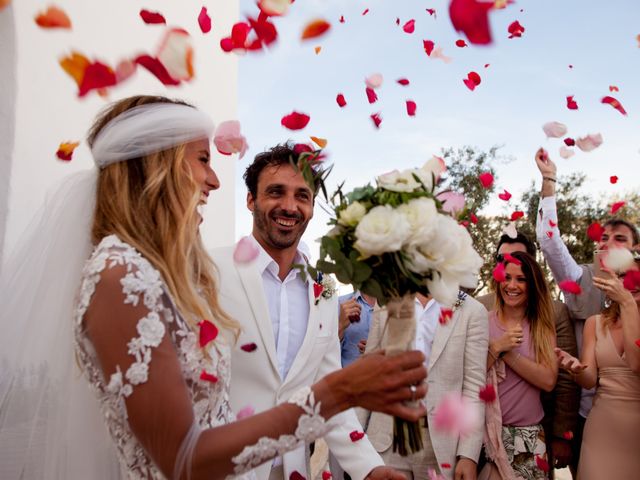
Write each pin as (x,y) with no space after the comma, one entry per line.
(39,107)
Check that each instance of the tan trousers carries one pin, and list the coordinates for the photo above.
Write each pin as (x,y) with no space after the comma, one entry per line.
(277,473)
(417,465)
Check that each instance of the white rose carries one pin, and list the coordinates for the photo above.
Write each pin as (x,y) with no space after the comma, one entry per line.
(381,230)
(434,166)
(151,329)
(350,216)
(422,215)
(399,181)
(444,289)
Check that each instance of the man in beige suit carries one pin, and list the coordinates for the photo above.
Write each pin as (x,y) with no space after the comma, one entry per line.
(289,335)
(456,352)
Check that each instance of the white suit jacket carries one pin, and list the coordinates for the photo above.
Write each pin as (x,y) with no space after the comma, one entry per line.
(255,379)
(458,363)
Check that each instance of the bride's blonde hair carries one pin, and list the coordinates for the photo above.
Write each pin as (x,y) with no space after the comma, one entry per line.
(151,203)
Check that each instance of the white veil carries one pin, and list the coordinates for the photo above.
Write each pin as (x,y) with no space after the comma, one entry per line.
(50,423)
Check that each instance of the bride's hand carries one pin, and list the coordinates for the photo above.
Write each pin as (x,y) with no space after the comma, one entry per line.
(568,362)
(384,383)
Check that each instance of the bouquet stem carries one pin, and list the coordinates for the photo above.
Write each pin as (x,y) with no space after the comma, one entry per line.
(400,336)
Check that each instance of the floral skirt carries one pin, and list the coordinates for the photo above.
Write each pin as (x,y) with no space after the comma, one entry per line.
(523,445)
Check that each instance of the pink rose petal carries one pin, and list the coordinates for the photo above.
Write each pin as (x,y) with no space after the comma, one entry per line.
(374,81)
(590,142)
(569,286)
(245,252)
(228,139)
(455,415)
(554,129)
(245,412)
(453,202)
(486,179)
(566,152)
(498,273)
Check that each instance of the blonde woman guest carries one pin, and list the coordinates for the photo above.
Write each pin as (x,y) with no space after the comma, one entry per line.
(609,363)
(146,330)
(521,364)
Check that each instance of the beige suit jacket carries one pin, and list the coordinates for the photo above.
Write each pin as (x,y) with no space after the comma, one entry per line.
(458,363)
(255,380)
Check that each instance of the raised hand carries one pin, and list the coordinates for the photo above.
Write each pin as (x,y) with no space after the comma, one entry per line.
(545,164)
(568,362)
(511,339)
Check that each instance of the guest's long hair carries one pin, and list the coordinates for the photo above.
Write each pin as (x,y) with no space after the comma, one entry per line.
(539,308)
(151,203)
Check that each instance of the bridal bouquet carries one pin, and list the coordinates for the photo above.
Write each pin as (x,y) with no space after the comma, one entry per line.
(394,240)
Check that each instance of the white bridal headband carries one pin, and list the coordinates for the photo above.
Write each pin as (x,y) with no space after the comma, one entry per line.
(148,129)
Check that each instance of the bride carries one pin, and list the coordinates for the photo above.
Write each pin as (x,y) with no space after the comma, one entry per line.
(140,324)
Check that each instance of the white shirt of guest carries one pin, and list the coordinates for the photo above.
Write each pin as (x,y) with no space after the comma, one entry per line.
(427,319)
(288,303)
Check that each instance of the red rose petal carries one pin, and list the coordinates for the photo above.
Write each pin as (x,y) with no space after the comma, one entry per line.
(403,81)
(617,206)
(614,103)
(157,69)
(295,475)
(549,234)
(552,224)
(595,231)
(487,394)
(473,218)
(295,120)
(613,88)
(472,18)
(365,12)
(340,100)
(571,103)
(515,30)
(568,435)
(638,343)
(208,332)
(341,20)
(208,377)
(356,435)
(428,46)
(445,315)
(96,76)
(461,43)
(498,273)
(377,119)
(411,108)
(152,18)
(409,27)
(542,463)
(249,347)
(472,80)
(445,465)
(315,29)
(504,196)
(317,290)
(371,95)
(516,215)
(486,179)
(613,179)
(508,258)
(65,151)
(431,11)
(569,286)
(326,475)
(631,280)
(204,21)
(569,142)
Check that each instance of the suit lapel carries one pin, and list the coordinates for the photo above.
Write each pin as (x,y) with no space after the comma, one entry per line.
(254,290)
(443,332)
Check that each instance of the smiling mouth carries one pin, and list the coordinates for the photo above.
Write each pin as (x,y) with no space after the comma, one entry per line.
(285,222)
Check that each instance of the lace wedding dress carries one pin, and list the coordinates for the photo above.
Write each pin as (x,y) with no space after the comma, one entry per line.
(207,375)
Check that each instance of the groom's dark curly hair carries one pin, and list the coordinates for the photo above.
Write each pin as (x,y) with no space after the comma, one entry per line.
(283,154)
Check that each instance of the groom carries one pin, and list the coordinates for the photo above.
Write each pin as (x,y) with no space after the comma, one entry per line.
(289,335)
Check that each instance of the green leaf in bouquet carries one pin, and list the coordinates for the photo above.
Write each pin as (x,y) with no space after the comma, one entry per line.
(361,193)
(326,267)
(373,288)
(361,271)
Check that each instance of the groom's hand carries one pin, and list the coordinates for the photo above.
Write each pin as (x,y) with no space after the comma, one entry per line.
(385,473)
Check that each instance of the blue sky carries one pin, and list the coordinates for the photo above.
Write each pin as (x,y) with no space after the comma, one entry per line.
(524,87)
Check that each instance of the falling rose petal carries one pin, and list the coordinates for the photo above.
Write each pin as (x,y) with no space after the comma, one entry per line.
(504,196)
(554,129)
(411,108)
(498,273)
(377,119)
(569,286)
(53,17)
(510,230)
(409,27)
(208,377)
(315,29)
(431,11)
(321,142)
(204,21)
(569,142)
(208,332)
(245,251)
(245,412)
(238,38)
(75,65)
(157,69)
(371,95)
(445,465)
(265,32)
(295,120)
(472,18)
(487,394)
(568,435)
(472,80)
(249,347)
(341,19)
(613,179)
(295,475)
(571,103)
(613,88)
(366,10)
(542,463)
(125,69)
(590,142)
(508,258)
(464,223)
(516,215)
(452,202)
(356,435)
(176,54)
(515,30)
(428,46)
(340,100)
(632,282)
(549,234)
(486,65)
(445,316)
(616,206)
(374,81)
(317,50)
(326,475)
(461,43)
(455,415)
(274,7)
(566,152)
(403,81)
(595,231)
(97,76)
(486,179)
(228,139)
(152,18)
(614,103)
(65,150)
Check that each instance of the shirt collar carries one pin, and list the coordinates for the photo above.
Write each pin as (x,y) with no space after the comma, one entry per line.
(432,302)
(264,261)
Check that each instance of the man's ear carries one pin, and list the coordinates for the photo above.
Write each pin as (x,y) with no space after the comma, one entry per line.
(250,202)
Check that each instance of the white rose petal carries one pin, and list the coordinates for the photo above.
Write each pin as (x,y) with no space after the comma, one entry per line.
(404,181)
(554,129)
(590,142)
(381,230)
(443,289)
(421,213)
(436,166)
(350,216)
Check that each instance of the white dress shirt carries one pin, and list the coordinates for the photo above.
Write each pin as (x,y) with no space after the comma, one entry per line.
(427,318)
(288,303)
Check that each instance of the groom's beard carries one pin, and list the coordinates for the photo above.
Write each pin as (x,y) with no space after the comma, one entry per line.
(274,235)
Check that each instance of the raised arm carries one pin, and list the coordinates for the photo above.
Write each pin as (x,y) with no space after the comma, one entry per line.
(159,406)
